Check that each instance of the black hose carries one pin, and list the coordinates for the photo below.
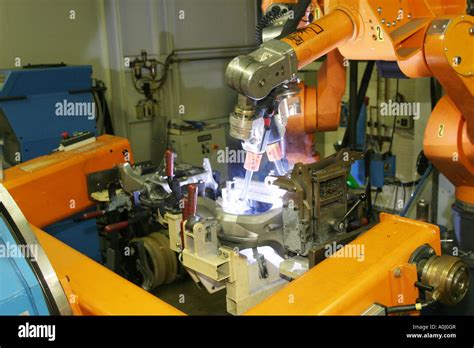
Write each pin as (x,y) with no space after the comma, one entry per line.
(369,205)
(292,24)
(401,309)
(265,21)
(407,184)
(354,106)
(408,308)
(361,94)
(99,92)
(394,126)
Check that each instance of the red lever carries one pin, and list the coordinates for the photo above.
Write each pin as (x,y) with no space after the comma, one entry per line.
(185,208)
(191,203)
(93,214)
(115,227)
(267,122)
(169,158)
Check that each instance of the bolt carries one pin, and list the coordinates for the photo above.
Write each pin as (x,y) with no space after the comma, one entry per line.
(457,60)
(409,16)
(471,30)
(379,10)
(261,83)
(383,21)
(388,24)
(397,272)
(394,23)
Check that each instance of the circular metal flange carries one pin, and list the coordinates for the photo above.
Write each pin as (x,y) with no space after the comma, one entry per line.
(449,276)
(161,261)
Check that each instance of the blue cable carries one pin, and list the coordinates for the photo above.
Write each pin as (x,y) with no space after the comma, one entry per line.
(417,190)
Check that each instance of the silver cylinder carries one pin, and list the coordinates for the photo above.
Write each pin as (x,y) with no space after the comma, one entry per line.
(423,210)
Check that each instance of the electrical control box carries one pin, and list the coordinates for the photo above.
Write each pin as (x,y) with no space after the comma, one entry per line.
(193,144)
(405,122)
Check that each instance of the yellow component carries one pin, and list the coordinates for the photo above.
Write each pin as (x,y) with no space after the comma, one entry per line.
(103,196)
(418,306)
(72,298)
(350,285)
(98,290)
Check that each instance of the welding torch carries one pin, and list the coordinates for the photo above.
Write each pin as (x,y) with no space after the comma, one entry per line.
(253,159)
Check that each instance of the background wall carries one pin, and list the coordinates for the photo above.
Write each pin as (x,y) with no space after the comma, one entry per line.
(204,35)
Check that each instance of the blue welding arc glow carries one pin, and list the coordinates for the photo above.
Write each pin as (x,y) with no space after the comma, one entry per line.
(245,188)
(279,167)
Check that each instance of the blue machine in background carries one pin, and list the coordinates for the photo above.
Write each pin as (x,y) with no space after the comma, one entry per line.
(39,104)
(78,234)
(382,166)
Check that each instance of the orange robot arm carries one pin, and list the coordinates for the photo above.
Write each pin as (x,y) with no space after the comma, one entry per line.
(320,105)
(426,38)
(449,136)
(320,110)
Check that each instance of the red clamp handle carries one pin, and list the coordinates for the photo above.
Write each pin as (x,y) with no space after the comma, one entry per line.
(169,158)
(93,214)
(115,227)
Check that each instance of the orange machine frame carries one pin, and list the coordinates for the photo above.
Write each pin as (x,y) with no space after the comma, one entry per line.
(349,286)
(50,188)
(94,288)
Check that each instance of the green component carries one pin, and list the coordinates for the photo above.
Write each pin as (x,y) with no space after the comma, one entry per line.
(352,183)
